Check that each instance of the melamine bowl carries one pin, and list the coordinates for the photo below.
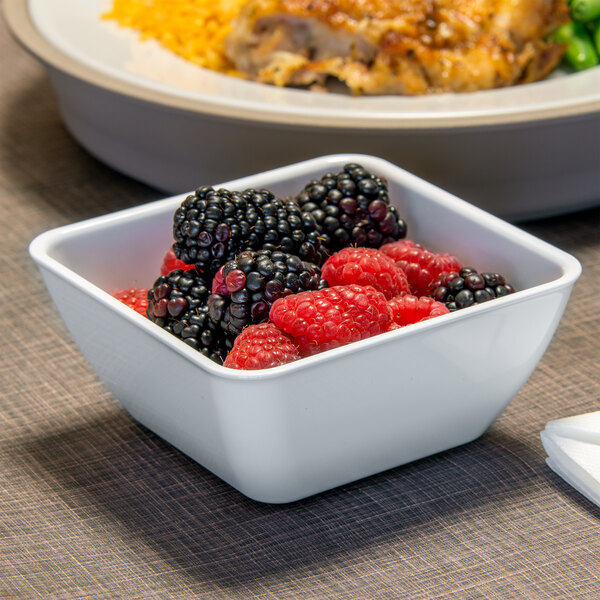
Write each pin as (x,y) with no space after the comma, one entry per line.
(285,433)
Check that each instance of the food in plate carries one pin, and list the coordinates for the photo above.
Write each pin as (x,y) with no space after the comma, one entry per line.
(408,47)
(195,30)
(397,46)
(245,284)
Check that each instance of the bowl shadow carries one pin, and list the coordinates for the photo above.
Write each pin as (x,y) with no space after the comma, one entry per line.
(212,532)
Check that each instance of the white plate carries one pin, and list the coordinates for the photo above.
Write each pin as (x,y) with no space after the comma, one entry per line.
(74,28)
(524,151)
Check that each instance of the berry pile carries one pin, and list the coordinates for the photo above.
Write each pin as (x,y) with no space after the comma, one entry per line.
(253,281)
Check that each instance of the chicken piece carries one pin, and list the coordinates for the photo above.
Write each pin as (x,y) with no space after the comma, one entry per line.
(405,47)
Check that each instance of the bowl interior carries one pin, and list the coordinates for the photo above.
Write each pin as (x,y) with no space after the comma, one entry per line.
(324,434)
(126,248)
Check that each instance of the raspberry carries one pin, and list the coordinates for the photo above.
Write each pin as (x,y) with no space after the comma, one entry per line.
(171,263)
(422,266)
(409,309)
(261,346)
(133,297)
(365,266)
(448,262)
(327,318)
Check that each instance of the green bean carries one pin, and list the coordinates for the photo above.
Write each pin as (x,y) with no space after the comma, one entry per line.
(585,10)
(596,36)
(580,52)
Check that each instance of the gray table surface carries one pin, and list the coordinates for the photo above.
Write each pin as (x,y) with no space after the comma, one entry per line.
(93,505)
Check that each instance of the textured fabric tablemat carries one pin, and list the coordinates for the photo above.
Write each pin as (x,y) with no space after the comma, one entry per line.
(94,506)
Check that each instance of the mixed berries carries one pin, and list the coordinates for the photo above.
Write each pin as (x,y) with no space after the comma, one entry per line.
(253,281)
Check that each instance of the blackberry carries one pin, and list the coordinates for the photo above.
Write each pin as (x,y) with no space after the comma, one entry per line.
(177,302)
(352,208)
(468,287)
(253,281)
(211,227)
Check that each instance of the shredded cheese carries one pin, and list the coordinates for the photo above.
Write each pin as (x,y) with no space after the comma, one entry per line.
(193,29)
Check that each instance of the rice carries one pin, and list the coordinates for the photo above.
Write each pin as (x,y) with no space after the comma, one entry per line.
(193,29)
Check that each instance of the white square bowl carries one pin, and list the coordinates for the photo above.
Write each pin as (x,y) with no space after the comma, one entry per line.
(285,433)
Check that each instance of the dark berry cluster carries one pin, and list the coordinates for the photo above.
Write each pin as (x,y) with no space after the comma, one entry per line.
(177,302)
(254,281)
(211,226)
(352,208)
(247,286)
(468,287)
(249,248)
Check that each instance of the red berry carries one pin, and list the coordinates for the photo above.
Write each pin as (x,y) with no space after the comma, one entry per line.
(136,298)
(171,262)
(323,319)
(409,309)
(421,266)
(235,280)
(218,284)
(225,285)
(260,347)
(365,266)
(449,262)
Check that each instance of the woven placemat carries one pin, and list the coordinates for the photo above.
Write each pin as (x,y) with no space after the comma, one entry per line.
(95,506)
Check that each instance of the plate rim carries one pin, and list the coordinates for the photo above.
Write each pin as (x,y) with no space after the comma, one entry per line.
(22,27)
